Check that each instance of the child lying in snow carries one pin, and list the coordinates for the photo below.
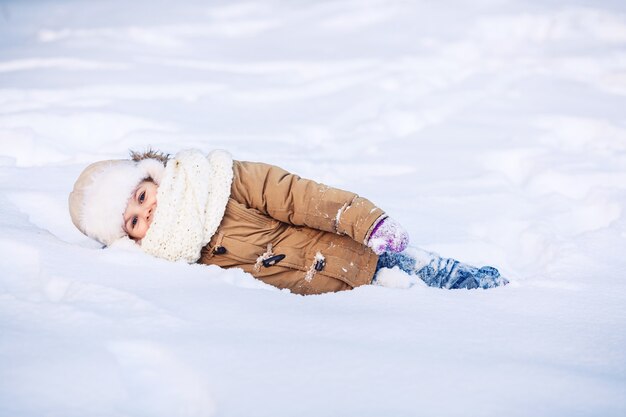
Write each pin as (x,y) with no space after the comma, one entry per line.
(284,230)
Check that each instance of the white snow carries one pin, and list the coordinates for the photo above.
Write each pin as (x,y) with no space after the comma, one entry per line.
(494,131)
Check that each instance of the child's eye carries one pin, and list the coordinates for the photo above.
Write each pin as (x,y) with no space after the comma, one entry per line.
(134,221)
(142,197)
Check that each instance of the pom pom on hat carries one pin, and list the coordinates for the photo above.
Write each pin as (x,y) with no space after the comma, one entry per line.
(101,193)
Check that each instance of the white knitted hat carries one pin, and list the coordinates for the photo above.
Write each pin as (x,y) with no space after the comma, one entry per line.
(101,193)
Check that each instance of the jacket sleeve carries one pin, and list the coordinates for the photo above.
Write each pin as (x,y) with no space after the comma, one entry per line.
(290,199)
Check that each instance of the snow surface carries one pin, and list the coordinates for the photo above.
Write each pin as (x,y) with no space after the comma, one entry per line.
(493,130)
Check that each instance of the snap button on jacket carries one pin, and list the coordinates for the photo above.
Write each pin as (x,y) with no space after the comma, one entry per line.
(319,230)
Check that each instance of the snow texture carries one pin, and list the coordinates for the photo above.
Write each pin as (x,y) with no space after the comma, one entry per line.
(493,131)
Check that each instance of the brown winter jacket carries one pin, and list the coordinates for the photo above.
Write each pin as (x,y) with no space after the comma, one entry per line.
(294,233)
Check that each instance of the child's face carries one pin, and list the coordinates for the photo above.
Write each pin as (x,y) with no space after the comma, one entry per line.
(140,210)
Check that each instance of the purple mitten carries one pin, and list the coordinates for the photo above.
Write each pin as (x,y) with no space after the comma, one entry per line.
(388,236)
